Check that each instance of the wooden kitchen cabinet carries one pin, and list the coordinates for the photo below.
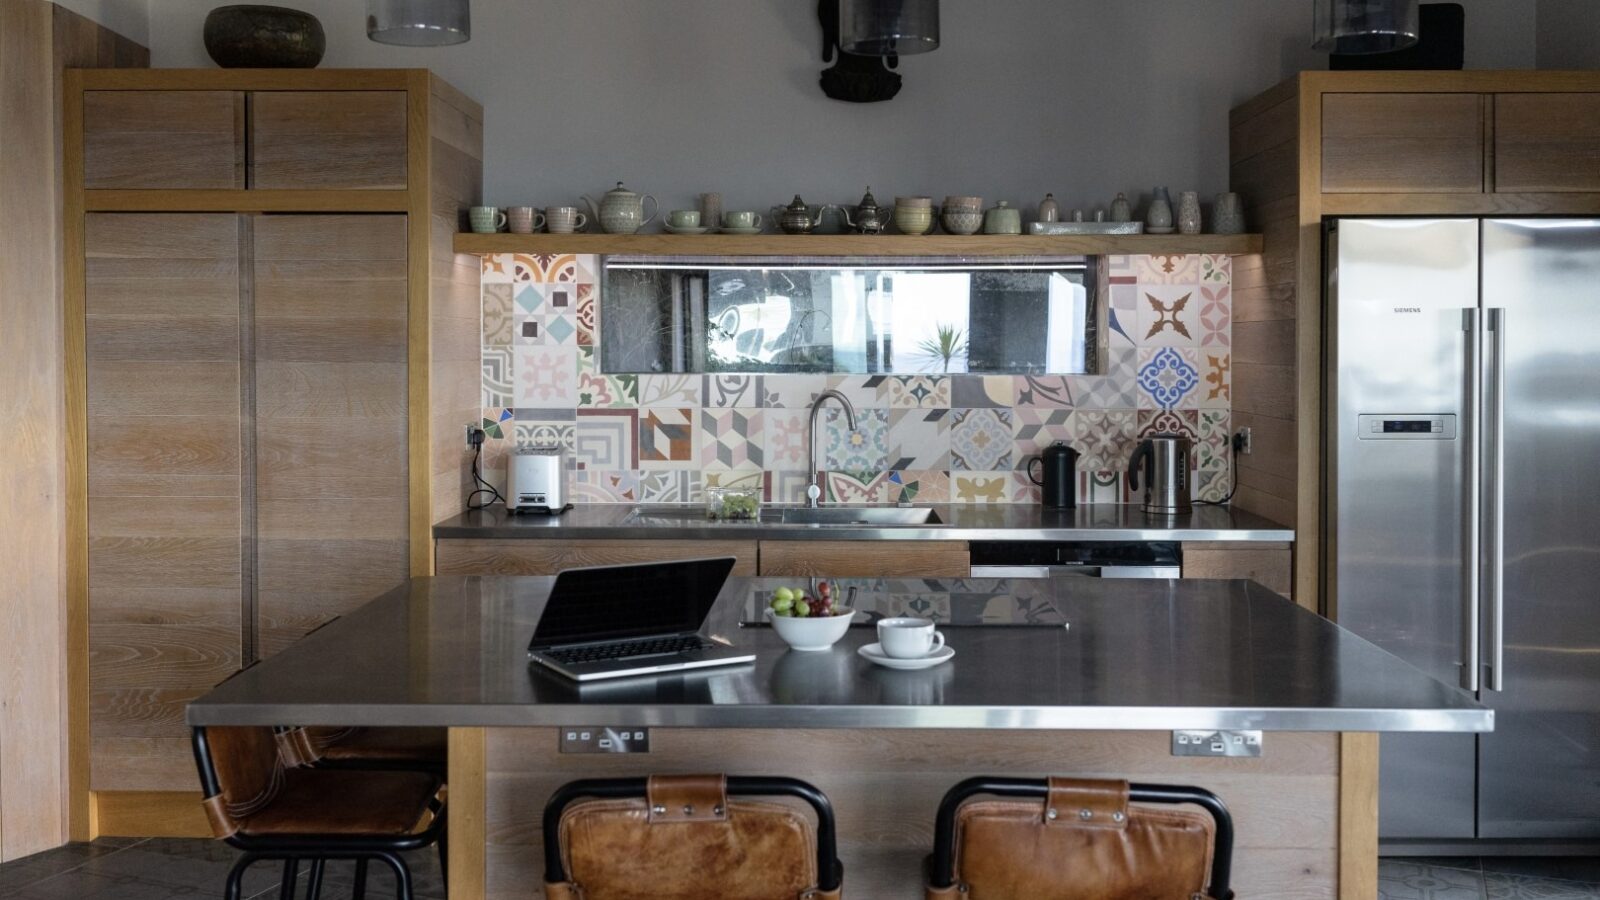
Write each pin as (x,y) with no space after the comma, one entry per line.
(1547,142)
(328,140)
(143,140)
(867,559)
(1271,564)
(525,556)
(1402,142)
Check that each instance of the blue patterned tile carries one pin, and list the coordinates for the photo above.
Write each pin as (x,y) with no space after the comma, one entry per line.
(981,440)
(864,449)
(1167,378)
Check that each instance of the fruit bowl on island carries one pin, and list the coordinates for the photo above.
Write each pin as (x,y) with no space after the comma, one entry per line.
(808,622)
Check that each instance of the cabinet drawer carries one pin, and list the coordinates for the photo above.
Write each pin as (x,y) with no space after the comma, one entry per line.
(534,556)
(163,139)
(1546,142)
(328,140)
(867,559)
(1402,143)
(1270,564)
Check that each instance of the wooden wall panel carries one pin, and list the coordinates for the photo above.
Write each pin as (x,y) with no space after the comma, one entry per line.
(1547,142)
(163,139)
(1392,142)
(1285,804)
(164,463)
(328,140)
(330,400)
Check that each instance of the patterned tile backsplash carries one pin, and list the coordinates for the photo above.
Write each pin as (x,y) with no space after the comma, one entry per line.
(929,438)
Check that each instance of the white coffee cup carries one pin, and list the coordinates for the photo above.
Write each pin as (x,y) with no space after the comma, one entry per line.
(909,638)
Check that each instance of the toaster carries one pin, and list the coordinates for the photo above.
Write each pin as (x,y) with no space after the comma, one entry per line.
(536,480)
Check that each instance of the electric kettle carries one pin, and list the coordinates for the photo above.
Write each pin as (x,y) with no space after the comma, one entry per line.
(1164,459)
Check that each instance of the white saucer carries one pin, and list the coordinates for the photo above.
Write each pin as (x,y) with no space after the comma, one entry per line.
(874,653)
(727,230)
(673,229)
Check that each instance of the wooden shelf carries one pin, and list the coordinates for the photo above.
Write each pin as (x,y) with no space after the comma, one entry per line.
(977,245)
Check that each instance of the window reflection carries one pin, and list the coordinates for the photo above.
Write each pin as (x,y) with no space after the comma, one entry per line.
(923,316)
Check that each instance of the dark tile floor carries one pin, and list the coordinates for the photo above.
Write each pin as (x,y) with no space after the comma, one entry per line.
(1490,878)
(161,868)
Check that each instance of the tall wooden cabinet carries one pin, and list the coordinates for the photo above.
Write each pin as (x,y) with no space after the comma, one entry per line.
(274,351)
(1372,144)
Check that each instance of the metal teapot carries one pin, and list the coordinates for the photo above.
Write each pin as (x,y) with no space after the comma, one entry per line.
(869,217)
(621,211)
(796,218)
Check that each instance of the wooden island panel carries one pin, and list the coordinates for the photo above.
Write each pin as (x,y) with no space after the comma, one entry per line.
(867,559)
(523,556)
(1268,563)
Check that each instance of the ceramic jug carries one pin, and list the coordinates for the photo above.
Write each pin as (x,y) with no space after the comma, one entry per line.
(621,211)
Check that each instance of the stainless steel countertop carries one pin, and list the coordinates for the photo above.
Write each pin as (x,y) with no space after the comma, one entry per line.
(1133,655)
(962,522)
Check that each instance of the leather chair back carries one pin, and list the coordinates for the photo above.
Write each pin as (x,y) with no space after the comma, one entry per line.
(247,771)
(685,840)
(1083,840)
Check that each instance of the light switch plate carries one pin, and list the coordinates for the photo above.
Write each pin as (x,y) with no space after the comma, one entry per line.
(1216,743)
(604,739)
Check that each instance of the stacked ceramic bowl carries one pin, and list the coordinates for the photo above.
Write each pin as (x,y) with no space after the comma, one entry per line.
(913,215)
(962,215)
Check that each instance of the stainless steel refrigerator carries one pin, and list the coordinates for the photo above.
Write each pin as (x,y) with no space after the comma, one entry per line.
(1464,508)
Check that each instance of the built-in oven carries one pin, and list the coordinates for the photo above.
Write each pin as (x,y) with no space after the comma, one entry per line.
(1091,559)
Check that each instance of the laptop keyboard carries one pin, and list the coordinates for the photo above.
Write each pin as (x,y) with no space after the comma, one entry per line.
(625,650)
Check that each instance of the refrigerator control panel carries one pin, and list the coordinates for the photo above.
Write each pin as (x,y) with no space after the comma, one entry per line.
(1395,427)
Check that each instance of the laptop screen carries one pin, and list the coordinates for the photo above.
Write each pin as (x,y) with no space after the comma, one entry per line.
(613,603)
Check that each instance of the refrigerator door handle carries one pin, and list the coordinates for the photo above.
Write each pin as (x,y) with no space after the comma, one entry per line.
(1494,499)
(1472,538)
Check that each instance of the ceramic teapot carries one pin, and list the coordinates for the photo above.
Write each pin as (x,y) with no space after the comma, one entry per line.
(621,211)
(796,218)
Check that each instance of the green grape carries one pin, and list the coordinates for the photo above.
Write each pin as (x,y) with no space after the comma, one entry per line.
(802,609)
(783,593)
(782,603)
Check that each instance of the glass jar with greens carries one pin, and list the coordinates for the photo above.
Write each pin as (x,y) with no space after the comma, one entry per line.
(733,503)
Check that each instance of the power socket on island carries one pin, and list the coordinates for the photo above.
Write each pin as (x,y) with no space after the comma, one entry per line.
(1216,743)
(604,739)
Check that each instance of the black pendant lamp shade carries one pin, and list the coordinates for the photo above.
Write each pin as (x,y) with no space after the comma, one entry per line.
(888,27)
(1364,26)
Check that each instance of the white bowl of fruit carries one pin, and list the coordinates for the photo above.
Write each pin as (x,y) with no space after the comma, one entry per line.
(808,621)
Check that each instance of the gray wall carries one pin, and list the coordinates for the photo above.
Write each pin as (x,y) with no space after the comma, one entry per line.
(1569,34)
(129,18)
(1080,97)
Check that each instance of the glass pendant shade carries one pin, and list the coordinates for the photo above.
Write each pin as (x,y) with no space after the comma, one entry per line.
(1364,26)
(419,23)
(888,27)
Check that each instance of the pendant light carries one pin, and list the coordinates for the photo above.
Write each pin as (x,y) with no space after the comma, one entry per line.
(419,23)
(1364,26)
(888,27)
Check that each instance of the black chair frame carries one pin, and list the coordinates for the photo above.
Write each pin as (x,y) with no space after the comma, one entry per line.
(830,871)
(943,863)
(319,849)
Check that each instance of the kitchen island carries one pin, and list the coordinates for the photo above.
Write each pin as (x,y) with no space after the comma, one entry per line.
(1063,676)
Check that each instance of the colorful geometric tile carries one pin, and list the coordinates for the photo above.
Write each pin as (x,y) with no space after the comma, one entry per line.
(1216,315)
(744,479)
(682,486)
(605,439)
(669,390)
(1103,487)
(495,269)
(561,298)
(1023,489)
(862,449)
(1185,422)
(982,391)
(584,318)
(535,433)
(792,391)
(1043,390)
(496,300)
(1104,438)
(546,377)
(604,391)
(496,365)
(497,423)
(857,487)
(1035,429)
(1167,315)
(860,390)
(980,440)
(601,486)
(1212,450)
(918,486)
(1167,269)
(980,487)
(786,439)
(1212,485)
(915,391)
(530,299)
(1216,268)
(1217,392)
(919,438)
(724,391)
(560,330)
(1168,378)
(666,438)
(732,438)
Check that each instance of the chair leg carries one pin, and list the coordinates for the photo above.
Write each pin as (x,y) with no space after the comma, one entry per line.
(402,875)
(359,890)
(236,876)
(444,856)
(291,871)
(314,884)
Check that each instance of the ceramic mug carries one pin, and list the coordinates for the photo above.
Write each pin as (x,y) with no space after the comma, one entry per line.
(741,219)
(564,219)
(909,638)
(523,219)
(486,219)
(684,218)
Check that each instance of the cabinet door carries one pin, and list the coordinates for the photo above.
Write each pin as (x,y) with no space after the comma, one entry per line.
(1547,142)
(1402,143)
(330,417)
(1269,564)
(328,140)
(165,501)
(163,139)
(867,559)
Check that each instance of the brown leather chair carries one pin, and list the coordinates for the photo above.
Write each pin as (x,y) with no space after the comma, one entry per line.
(680,837)
(1077,839)
(407,749)
(272,811)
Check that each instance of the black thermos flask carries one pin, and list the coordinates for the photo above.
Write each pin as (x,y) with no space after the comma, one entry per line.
(1058,475)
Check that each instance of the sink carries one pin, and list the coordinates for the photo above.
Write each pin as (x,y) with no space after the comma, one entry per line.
(861,515)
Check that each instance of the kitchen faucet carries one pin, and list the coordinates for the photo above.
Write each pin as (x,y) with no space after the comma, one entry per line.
(814,490)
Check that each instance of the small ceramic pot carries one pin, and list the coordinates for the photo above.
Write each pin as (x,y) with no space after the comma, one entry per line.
(1227,216)
(1002,219)
(913,202)
(684,218)
(1158,218)
(963,204)
(1189,213)
(961,221)
(1121,209)
(913,219)
(1049,210)
(251,36)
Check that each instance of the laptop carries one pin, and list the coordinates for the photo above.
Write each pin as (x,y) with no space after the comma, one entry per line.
(617,621)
